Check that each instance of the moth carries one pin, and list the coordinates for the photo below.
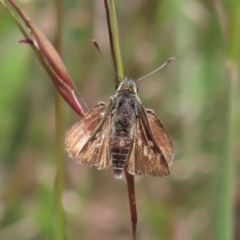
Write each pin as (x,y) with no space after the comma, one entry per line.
(123,134)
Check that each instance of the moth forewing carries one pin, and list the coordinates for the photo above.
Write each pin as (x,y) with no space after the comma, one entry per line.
(80,133)
(161,136)
(96,152)
(87,140)
(105,115)
(146,157)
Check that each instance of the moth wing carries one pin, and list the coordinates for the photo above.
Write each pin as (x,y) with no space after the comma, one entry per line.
(89,147)
(96,151)
(161,136)
(146,156)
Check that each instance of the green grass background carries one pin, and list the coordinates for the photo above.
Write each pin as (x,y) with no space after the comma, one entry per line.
(196,98)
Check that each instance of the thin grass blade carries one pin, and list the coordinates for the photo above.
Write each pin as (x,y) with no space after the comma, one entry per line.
(59,228)
(226,175)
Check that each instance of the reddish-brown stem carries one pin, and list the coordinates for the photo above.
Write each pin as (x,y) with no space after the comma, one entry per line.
(26,41)
(132,201)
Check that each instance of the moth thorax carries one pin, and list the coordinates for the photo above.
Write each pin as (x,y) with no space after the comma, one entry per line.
(126,88)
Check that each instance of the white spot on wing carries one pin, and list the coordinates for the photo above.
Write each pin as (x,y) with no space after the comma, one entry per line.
(150,143)
(139,142)
(82,142)
(145,151)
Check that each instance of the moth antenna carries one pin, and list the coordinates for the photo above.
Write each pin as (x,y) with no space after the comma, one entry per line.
(168,61)
(80,95)
(104,58)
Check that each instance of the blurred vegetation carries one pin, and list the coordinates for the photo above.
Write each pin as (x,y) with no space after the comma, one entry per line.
(196,97)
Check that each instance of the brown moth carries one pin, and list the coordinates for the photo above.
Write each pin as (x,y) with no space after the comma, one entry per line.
(122,133)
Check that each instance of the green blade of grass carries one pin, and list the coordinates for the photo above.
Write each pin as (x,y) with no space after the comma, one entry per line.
(225,178)
(116,38)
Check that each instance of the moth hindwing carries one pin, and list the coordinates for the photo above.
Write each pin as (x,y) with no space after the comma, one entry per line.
(122,133)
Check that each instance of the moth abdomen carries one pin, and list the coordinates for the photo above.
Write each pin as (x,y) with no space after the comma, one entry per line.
(120,154)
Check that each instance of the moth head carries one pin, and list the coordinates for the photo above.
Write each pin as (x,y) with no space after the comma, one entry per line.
(127,85)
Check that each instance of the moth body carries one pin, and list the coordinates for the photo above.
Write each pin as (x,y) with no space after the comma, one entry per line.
(124,114)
